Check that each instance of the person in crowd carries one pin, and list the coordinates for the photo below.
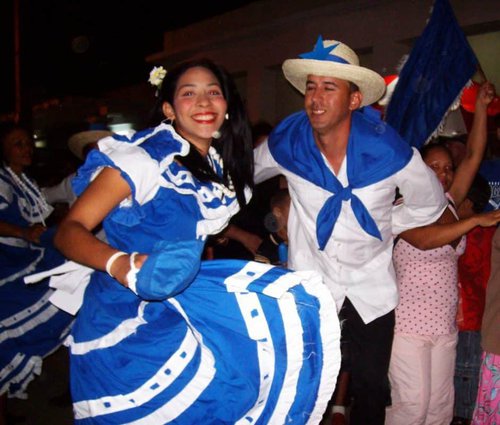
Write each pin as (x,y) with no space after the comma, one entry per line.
(487,408)
(490,170)
(425,258)
(490,167)
(274,247)
(473,273)
(343,165)
(160,336)
(456,145)
(31,328)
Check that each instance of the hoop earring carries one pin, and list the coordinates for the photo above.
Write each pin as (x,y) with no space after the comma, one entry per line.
(168,121)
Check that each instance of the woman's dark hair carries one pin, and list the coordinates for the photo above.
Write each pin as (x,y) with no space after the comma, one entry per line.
(234,145)
(424,150)
(5,129)
(479,193)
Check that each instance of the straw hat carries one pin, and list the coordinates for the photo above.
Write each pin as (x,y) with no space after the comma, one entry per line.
(78,141)
(332,58)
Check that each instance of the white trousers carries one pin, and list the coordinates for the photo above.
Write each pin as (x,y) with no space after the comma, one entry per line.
(421,375)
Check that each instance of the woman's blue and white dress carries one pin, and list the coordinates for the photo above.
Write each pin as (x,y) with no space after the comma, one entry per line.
(30,326)
(214,342)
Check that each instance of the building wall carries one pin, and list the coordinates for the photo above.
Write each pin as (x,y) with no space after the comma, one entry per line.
(252,42)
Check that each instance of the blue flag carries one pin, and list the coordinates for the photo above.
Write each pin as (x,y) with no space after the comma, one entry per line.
(438,68)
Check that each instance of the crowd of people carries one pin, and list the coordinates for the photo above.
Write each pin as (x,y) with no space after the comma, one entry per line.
(319,269)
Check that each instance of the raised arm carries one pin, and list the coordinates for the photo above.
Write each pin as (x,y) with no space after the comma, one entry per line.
(476,145)
(447,229)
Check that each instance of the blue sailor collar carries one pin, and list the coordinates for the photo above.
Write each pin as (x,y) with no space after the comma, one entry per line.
(374,152)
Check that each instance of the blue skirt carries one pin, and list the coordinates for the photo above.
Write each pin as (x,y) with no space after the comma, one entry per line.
(245,343)
(31,328)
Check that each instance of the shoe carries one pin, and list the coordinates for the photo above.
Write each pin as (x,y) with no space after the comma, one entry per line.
(338,419)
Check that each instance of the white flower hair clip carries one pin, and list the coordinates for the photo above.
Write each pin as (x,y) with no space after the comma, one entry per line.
(156,77)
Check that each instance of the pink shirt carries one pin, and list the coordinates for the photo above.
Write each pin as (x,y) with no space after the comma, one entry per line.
(428,288)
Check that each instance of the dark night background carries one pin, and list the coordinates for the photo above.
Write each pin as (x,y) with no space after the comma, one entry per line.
(71,47)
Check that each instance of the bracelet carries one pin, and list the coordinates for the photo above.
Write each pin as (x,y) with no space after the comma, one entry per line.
(133,268)
(132,274)
(112,259)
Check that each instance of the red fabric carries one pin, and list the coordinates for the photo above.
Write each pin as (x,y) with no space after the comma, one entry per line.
(473,272)
(468,100)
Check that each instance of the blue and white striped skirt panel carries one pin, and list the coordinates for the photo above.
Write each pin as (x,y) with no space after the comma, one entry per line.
(245,343)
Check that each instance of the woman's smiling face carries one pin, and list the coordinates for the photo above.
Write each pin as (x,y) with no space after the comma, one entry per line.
(199,107)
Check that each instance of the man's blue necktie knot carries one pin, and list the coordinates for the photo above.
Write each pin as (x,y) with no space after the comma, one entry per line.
(346,193)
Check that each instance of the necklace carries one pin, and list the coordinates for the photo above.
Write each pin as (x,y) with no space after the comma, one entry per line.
(214,159)
(40,209)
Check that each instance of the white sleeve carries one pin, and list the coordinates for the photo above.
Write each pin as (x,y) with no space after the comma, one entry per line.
(61,192)
(264,163)
(139,169)
(6,195)
(423,196)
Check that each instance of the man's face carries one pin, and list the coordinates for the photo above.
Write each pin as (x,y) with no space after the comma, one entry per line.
(329,101)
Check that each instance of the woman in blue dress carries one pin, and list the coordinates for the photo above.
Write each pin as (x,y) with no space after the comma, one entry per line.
(30,326)
(162,337)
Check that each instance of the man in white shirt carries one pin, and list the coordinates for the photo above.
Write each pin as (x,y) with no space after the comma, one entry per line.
(343,165)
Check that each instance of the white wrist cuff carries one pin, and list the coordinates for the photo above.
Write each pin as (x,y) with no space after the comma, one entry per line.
(132,274)
(112,259)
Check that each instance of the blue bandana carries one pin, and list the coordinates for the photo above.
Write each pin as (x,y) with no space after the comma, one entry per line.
(374,152)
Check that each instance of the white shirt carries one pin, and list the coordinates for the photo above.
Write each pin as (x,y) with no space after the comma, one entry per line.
(61,192)
(353,263)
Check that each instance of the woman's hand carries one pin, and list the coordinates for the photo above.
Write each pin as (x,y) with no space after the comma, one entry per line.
(487,219)
(485,94)
(33,233)
(121,266)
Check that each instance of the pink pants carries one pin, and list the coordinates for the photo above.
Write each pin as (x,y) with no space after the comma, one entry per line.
(421,375)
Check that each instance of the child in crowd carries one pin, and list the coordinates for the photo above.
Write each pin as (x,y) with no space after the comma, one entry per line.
(274,247)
